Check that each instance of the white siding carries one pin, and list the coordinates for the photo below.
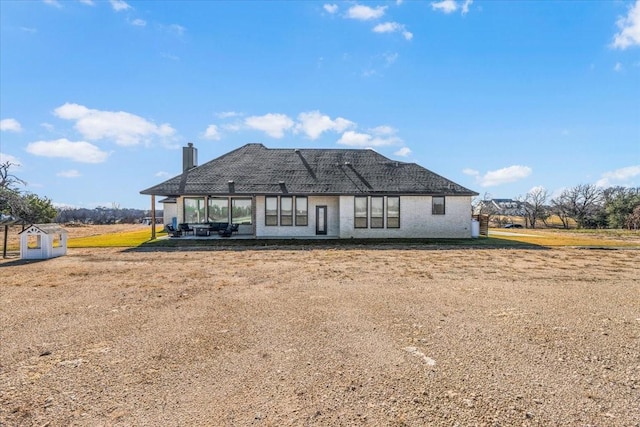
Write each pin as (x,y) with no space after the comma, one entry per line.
(333,225)
(169,211)
(416,220)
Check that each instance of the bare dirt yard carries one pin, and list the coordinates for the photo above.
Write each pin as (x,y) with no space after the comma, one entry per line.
(332,336)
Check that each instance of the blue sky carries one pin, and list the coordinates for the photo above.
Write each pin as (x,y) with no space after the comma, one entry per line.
(97,97)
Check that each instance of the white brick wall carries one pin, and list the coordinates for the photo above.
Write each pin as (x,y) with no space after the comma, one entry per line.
(416,220)
(333,227)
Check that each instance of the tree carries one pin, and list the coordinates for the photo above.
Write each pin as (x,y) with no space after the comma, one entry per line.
(9,195)
(26,207)
(534,206)
(582,203)
(560,207)
(619,203)
(35,209)
(8,180)
(633,219)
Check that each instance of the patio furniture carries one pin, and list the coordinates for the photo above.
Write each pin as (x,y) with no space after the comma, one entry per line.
(186,228)
(171,231)
(202,230)
(227,232)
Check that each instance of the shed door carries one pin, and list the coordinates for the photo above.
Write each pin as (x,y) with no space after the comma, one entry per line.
(321,220)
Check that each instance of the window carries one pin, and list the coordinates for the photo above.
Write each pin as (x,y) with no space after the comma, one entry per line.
(57,240)
(361,212)
(377,212)
(34,241)
(194,210)
(271,210)
(437,207)
(393,212)
(302,216)
(241,211)
(218,210)
(286,210)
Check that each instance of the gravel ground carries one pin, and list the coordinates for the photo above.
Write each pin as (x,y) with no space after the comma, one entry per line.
(346,336)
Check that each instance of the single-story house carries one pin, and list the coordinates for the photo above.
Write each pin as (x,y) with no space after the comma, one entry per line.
(307,193)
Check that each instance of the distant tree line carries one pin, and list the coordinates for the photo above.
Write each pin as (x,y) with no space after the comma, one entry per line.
(585,205)
(103,215)
(19,206)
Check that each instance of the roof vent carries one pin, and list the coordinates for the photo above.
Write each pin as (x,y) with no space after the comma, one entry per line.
(347,163)
(296,150)
(281,182)
(230,181)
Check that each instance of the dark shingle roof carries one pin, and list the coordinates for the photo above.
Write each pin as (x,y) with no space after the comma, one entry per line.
(255,169)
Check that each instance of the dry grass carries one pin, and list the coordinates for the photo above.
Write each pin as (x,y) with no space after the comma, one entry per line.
(333,336)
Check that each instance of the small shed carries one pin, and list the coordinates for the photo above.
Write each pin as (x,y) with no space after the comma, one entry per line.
(43,241)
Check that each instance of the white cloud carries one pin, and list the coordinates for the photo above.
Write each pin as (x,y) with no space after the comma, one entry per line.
(500,176)
(356,139)
(446,6)
(629,34)
(273,125)
(314,124)
(390,58)
(465,6)
(4,158)
(80,151)
(212,133)
(139,22)
(162,174)
(623,176)
(365,13)
(228,114)
(48,126)
(617,67)
(232,127)
(403,152)
(125,128)
(55,3)
(29,30)
(119,5)
(10,125)
(177,29)
(87,2)
(383,130)
(331,8)
(71,173)
(393,27)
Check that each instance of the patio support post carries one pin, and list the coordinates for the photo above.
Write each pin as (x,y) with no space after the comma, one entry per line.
(4,247)
(153,217)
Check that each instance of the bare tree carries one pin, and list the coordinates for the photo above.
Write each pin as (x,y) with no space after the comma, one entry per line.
(560,207)
(581,203)
(534,206)
(633,219)
(10,200)
(7,179)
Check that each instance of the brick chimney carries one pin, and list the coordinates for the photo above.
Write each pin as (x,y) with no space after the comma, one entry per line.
(189,157)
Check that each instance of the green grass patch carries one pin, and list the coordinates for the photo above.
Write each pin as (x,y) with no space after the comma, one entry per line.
(127,239)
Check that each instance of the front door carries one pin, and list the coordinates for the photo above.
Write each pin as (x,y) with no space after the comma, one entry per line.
(321,220)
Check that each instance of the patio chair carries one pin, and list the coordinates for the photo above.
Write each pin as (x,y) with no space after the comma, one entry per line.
(186,228)
(227,232)
(171,231)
